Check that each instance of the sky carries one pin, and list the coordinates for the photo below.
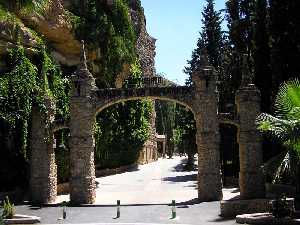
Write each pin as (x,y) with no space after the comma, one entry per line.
(176,25)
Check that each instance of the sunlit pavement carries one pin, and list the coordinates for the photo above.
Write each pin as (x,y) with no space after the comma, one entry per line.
(155,183)
(158,182)
(144,195)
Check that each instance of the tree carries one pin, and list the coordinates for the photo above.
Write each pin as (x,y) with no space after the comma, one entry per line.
(211,39)
(284,36)
(261,54)
(165,122)
(212,33)
(185,134)
(193,62)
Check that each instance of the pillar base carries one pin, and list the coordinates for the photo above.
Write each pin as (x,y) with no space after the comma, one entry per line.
(209,187)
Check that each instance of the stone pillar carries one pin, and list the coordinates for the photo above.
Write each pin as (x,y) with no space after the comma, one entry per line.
(82,168)
(207,137)
(43,170)
(251,178)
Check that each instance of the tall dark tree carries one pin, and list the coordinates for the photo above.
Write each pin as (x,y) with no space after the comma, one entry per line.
(261,54)
(212,33)
(193,62)
(278,32)
(285,42)
(210,39)
(234,23)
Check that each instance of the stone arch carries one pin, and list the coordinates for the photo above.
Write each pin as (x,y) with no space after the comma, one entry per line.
(87,100)
(101,107)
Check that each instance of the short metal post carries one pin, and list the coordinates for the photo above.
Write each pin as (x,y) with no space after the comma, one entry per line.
(64,212)
(118,209)
(173,209)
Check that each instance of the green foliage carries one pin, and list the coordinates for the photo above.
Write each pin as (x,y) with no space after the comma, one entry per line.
(1,220)
(185,131)
(62,159)
(285,125)
(122,129)
(165,122)
(17,87)
(281,208)
(25,6)
(110,31)
(26,84)
(211,38)
(121,132)
(8,209)
(54,85)
(5,15)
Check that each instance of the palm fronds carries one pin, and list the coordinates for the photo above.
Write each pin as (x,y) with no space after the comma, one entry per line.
(287,103)
(285,124)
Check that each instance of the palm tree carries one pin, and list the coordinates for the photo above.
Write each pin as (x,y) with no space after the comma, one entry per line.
(285,125)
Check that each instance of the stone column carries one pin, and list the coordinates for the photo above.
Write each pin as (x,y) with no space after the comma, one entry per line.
(82,168)
(43,170)
(205,113)
(251,178)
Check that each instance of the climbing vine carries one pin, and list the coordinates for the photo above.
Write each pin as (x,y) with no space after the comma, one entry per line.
(25,84)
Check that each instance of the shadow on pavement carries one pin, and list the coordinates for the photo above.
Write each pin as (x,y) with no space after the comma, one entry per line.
(185,178)
(221,219)
(193,201)
(181,166)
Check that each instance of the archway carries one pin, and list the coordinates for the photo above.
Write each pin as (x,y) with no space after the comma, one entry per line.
(201,99)
(87,100)
(161,179)
(229,151)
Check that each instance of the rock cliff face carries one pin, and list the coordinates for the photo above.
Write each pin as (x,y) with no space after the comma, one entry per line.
(145,44)
(54,24)
(56,28)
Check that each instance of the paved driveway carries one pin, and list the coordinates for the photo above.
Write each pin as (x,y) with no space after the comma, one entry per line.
(146,193)
(155,183)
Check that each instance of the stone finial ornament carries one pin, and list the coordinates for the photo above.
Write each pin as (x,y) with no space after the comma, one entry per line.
(246,75)
(204,61)
(83,61)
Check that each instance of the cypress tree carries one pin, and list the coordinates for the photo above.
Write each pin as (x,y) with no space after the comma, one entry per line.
(235,28)
(212,34)
(210,38)
(278,32)
(261,54)
(285,42)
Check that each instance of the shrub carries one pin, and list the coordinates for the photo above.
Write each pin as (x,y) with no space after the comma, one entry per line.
(280,208)
(1,220)
(8,209)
